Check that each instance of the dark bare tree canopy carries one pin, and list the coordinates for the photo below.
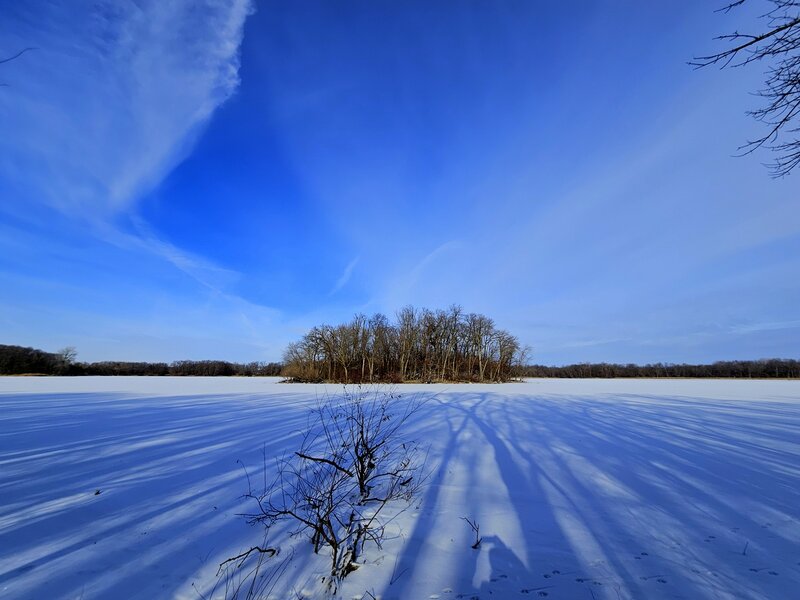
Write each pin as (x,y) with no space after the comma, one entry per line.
(777,44)
(17,360)
(422,345)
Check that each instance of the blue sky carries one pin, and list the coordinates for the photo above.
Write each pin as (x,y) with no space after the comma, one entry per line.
(209,179)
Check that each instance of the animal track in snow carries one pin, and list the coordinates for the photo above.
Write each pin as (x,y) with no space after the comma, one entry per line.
(758,570)
(551,573)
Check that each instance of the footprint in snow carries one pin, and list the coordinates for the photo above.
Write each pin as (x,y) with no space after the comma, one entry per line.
(551,573)
(754,570)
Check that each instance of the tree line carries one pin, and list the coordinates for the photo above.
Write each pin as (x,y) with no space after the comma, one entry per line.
(420,345)
(732,369)
(18,360)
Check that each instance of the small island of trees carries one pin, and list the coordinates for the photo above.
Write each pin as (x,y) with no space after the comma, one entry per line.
(421,345)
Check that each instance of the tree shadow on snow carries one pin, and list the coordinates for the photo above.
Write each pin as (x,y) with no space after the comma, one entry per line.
(618,497)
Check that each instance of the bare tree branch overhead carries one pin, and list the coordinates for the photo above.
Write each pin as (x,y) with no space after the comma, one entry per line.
(17,55)
(14,57)
(778,45)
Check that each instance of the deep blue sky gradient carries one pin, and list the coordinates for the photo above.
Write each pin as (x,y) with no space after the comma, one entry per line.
(556,166)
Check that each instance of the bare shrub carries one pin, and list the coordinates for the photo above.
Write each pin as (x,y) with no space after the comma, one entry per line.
(353,464)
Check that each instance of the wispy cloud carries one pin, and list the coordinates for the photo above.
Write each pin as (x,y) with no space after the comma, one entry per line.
(768,326)
(345,277)
(416,285)
(431,257)
(115,95)
(113,98)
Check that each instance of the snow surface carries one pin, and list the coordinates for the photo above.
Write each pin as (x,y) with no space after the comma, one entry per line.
(582,489)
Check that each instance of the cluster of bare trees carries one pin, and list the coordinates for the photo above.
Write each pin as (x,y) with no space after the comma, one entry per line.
(422,345)
(18,360)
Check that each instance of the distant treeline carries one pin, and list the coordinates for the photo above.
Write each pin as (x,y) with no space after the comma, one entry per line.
(17,360)
(730,369)
(420,345)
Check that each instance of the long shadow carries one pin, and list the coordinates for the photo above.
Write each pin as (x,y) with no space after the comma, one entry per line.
(621,443)
(507,573)
(626,496)
(93,493)
(649,497)
(406,564)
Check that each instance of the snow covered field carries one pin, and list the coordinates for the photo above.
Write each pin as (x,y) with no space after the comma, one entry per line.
(582,489)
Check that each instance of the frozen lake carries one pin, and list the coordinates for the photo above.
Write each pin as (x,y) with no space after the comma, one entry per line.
(130,488)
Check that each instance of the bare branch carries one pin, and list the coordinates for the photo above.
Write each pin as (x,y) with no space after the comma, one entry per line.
(246,554)
(477,529)
(779,45)
(327,461)
(17,55)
